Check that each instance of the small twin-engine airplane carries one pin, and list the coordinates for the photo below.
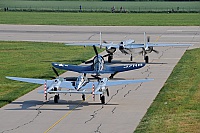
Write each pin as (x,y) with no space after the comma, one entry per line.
(81,86)
(128,46)
(98,66)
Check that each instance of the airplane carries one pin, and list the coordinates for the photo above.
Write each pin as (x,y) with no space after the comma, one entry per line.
(127,47)
(98,88)
(73,84)
(98,67)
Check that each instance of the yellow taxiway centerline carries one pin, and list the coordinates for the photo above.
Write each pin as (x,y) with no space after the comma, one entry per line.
(65,116)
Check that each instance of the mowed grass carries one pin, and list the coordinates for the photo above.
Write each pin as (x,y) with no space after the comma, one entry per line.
(101,5)
(176,109)
(33,60)
(100,19)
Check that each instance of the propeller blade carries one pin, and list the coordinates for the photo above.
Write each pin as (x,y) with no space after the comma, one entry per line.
(106,55)
(53,77)
(141,52)
(112,75)
(157,52)
(95,49)
(87,62)
(104,41)
(148,38)
(96,77)
(55,71)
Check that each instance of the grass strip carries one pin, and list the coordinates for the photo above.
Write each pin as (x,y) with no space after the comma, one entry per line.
(177,107)
(100,19)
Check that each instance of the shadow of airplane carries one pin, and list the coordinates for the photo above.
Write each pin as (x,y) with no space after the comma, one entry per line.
(37,105)
(129,62)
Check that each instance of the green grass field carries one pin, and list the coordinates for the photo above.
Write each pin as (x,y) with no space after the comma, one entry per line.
(100,5)
(176,108)
(100,19)
(31,59)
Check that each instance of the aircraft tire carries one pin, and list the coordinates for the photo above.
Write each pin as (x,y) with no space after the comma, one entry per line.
(103,99)
(109,59)
(146,59)
(56,97)
(83,97)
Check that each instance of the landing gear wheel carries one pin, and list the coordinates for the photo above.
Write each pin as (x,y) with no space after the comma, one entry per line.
(83,97)
(110,58)
(56,97)
(146,59)
(102,99)
(131,58)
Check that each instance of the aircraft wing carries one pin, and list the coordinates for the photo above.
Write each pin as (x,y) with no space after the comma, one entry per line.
(91,44)
(167,44)
(64,84)
(123,68)
(133,46)
(82,44)
(74,91)
(31,80)
(75,68)
(122,82)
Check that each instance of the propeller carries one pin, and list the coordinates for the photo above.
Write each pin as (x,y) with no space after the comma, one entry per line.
(96,77)
(106,55)
(88,62)
(104,41)
(112,75)
(55,72)
(95,49)
(148,38)
(157,52)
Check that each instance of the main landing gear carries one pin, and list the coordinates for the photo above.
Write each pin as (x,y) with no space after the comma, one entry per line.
(131,58)
(83,97)
(102,98)
(146,58)
(56,98)
(110,57)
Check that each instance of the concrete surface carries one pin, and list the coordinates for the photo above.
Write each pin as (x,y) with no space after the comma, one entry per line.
(125,106)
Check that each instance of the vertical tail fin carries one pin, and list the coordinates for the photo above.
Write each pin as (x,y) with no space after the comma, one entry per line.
(100,40)
(145,42)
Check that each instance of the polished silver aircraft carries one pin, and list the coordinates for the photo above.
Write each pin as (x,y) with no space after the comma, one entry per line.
(98,66)
(72,84)
(81,86)
(128,46)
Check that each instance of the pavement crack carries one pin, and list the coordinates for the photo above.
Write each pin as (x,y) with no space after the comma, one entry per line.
(91,36)
(115,94)
(98,131)
(38,113)
(94,114)
(113,110)
(127,93)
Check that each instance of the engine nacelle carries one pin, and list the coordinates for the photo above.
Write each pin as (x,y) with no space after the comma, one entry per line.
(102,89)
(149,50)
(129,42)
